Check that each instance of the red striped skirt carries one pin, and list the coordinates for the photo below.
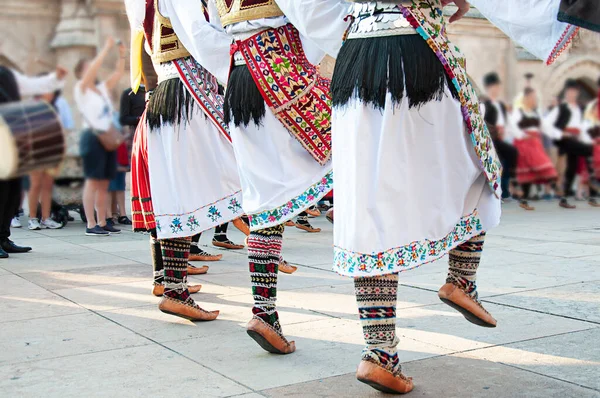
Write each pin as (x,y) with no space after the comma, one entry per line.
(141,198)
(533,164)
(597,158)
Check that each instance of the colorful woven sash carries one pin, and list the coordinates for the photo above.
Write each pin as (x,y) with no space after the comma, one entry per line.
(204,87)
(291,87)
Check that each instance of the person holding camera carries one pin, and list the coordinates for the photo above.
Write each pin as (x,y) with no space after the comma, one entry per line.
(100,138)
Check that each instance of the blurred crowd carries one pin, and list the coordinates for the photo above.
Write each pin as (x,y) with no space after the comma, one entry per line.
(547,152)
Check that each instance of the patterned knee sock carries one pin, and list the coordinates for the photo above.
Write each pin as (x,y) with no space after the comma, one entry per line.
(264,249)
(175,253)
(376,298)
(463,264)
(157,261)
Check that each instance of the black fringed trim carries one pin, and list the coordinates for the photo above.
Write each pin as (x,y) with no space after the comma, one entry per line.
(243,100)
(170,103)
(402,65)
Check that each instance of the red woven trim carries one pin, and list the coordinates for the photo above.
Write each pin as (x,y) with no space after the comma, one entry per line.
(558,48)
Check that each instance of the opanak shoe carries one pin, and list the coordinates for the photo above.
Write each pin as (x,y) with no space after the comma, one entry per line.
(51,224)
(159,290)
(186,310)
(287,268)
(96,231)
(525,205)
(241,226)
(192,270)
(383,380)
(34,224)
(470,308)
(268,338)
(15,223)
(593,202)
(201,255)
(566,205)
(227,244)
(307,227)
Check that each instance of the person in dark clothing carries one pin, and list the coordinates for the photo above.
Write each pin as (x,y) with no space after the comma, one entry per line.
(12,86)
(496,117)
(132,107)
(572,141)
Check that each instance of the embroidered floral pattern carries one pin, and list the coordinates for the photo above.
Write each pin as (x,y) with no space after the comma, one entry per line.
(427,18)
(291,86)
(406,257)
(213,213)
(192,223)
(176,225)
(199,220)
(295,206)
(234,206)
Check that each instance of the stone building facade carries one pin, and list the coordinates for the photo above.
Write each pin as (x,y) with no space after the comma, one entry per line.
(35,35)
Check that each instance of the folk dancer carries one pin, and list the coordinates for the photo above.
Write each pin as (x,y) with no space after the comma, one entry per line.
(572,141)
(534,166)
(185,131)
(496,116)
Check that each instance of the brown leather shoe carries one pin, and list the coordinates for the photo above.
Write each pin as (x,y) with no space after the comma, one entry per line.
(290,223)
(313,212)
(179,308)
(193,289)
(287,268)
(205,257)
(227,245)
(383,380)
(525,205)
(269,338)
(593,202)
(158,290)
(242,226)
(191,270)
(308,228)
(473,311)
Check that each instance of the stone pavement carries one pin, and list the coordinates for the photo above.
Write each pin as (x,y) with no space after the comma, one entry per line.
(77,319)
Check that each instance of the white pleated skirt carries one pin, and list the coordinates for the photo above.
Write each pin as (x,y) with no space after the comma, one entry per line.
(194,180)
(408,186)
(279,177)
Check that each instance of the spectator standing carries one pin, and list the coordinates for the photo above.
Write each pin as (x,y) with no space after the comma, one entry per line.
(99,165)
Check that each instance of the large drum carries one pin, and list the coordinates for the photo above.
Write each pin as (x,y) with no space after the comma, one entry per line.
(31,138)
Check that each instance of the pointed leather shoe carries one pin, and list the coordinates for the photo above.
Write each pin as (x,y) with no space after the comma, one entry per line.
(473,311)
(383,380)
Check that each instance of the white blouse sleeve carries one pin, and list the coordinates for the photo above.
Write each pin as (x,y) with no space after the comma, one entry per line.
(513,125)
(320,21)
(38,85)
(548,123)
(532,24)
(207,42)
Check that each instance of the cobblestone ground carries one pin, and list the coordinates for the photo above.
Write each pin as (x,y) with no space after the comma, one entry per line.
(78,319)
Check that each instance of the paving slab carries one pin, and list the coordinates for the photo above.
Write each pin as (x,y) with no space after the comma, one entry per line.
(38,339)
(60,261)
(577,300)
(324,348)
(22,300)
(134,372)
(567,357)
(441,325)
(447,376)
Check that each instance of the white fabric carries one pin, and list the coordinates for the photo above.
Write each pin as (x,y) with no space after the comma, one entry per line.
(37,85)
(273,166)
(518,133)
(192,168)
(402,176)
(575,122)
(207,42)
(95,107)
(531,23)
(320,21)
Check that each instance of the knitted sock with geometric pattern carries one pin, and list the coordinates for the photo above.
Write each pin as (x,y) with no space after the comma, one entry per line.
(175,253)
(376,299)
(264,251)
(463,264)
(157,261)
